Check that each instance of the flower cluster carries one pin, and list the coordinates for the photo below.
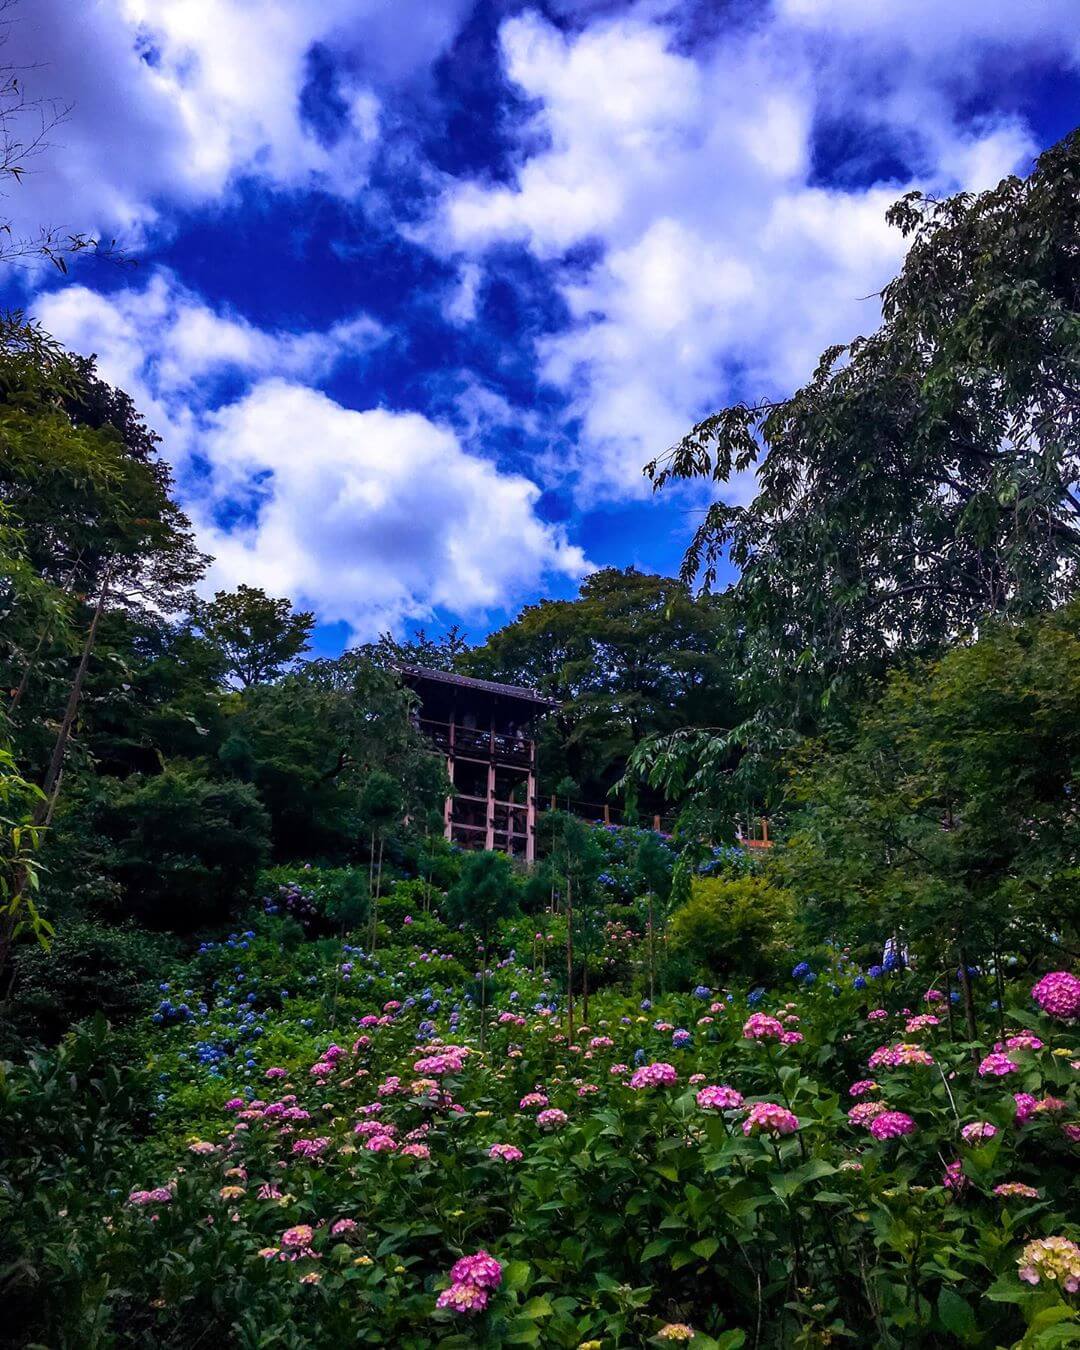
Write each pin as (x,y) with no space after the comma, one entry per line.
(654,1075)
(473,1279)
(1058,994)
(769,1118)
(1053,1258)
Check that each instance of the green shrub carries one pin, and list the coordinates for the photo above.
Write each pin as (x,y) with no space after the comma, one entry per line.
(88,968)
(743,926)
(183,846)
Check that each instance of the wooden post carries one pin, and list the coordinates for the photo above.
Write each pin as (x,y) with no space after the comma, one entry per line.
(448,807)
(530,798)
(489,836)
(656,824)
(607,814)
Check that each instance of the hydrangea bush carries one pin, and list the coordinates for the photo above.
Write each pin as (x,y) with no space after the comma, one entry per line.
(333,1159)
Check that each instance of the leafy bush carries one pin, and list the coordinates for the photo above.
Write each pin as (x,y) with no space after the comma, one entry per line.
(89,968)
(734,927)
(184,847)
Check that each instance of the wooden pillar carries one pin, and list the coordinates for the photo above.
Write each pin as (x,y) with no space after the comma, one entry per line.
(489,837)
(448,805)
(530,797)
(607,814)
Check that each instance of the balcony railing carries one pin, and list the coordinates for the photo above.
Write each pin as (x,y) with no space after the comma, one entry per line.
(508,747)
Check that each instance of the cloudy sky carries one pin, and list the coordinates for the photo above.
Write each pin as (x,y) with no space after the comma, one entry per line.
(421,284)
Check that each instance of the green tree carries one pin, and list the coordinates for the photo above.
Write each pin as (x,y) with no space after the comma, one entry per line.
(947,817)
(738,926)
(184,847)
(635,654)
(923,480)
(652,877)
(310,742)
(258,636)
(487,891)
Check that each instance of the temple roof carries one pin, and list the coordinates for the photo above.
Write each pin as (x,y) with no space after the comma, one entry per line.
(425,674)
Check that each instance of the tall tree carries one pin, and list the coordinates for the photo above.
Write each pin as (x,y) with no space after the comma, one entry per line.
(948,815)
(258,636)
(633,655)
(925,479)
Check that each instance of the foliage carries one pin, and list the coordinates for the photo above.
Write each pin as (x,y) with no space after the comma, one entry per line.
(88,967)
(633,655)
(948,816)
(183,847)
(924,479)
(647,1202)
(740,927)
(257,635)
(486,892)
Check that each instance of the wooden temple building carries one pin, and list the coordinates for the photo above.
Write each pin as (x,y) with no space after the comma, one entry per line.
(483,729)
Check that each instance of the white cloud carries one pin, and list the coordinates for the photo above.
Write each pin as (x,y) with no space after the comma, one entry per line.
(722,265)
(372,517)
(174,100)
(459,305)
(166,348)
(383,517)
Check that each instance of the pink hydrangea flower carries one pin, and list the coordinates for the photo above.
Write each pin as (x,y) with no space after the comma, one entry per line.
(1055,1259)
(1017,1188)
(864,1112)
(770,1118)
(1022,1040)
(891,1125)
(862,1087)
(480,1269)
(505,1152)
(954,1178)
(1058,994)
(978,1132)
(719,1097)
(465,1299)
(791,1038)
(654,1075)
(381,1143)
(275,1071)
(416,1151)
(997,1066)
(532,1100)
(342,1227)
(1025,1106)
(876,1015)
(300,1236)
(762,1027)
(310,1148)
(552,1119)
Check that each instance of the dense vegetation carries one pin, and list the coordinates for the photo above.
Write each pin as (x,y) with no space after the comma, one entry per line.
(280,1066)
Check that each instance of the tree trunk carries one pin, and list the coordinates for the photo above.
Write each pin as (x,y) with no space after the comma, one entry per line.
(569,960)
(652,953)
(969,1004)
(51,785)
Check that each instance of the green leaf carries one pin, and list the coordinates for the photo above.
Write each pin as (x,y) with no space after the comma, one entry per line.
(956,1314)
(706,1248)
(516,1274)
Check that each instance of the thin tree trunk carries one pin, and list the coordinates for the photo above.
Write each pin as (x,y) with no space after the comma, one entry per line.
(375,906)
(569,960)
(969,1004)
(51,784)
(652,953)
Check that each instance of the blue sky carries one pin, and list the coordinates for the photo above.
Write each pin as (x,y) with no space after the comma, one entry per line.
(421,286)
